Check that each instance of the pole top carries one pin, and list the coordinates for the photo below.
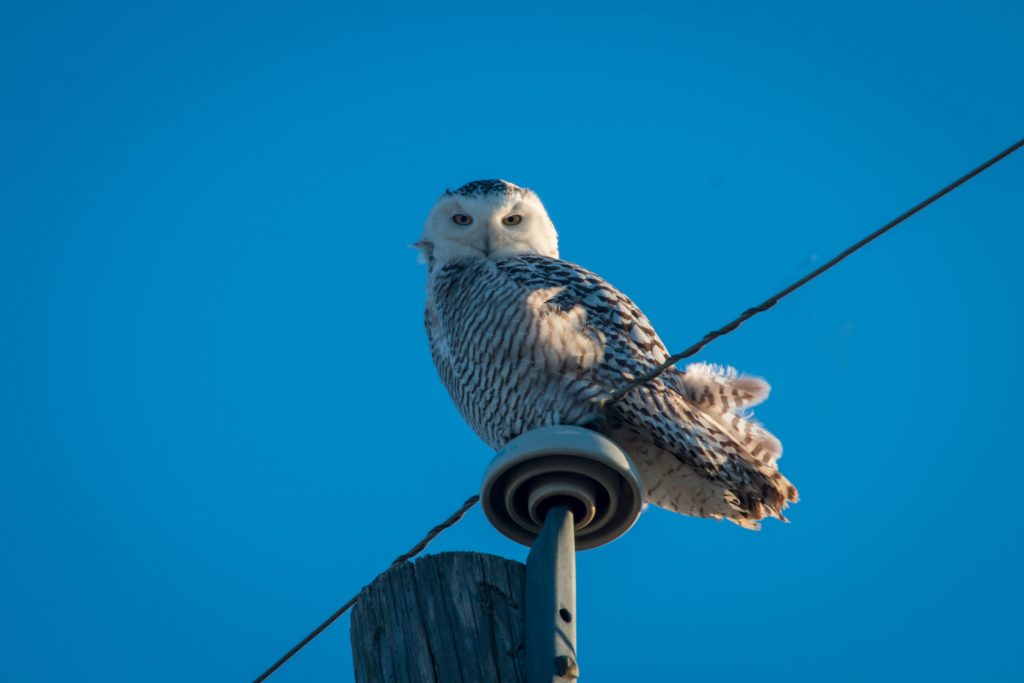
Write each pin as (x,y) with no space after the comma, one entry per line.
(562,465)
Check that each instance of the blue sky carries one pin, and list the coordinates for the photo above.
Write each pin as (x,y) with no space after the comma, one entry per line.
(218,414)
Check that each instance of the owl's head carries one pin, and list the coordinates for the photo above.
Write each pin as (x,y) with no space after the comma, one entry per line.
(490,219)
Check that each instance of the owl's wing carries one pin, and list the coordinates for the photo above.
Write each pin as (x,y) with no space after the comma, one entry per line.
(697,415)
(631,345)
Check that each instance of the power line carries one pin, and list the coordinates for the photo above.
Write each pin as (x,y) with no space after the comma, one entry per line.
(775,298)
(412,552)
(655,372)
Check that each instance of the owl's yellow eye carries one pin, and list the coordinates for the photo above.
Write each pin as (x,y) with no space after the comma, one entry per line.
(512,219)
(462,219)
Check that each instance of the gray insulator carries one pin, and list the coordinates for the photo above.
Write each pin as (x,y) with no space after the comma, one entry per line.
(566,466)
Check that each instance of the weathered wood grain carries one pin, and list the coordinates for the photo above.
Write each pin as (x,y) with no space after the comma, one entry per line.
(447,618)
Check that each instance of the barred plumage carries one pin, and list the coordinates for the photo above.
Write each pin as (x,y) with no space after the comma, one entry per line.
(522,339)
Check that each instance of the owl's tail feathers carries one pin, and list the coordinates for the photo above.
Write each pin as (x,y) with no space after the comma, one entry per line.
(774,494)
(711,460)
(725,395)
(702,473)
(719,388)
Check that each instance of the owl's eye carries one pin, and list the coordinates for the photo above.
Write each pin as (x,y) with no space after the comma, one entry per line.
(462,219)
(512,219)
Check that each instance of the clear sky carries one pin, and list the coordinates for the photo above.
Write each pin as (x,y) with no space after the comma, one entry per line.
(218,414)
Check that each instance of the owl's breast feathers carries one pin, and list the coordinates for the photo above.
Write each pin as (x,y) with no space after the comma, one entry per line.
(532,341)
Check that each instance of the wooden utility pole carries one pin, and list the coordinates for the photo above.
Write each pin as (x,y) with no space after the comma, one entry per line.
(447,618)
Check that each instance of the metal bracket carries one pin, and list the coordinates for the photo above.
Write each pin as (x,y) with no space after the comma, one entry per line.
(551,602)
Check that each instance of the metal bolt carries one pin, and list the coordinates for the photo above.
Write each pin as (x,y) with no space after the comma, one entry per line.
(566,667)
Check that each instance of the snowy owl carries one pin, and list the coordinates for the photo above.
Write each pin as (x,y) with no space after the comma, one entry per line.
(523,339)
